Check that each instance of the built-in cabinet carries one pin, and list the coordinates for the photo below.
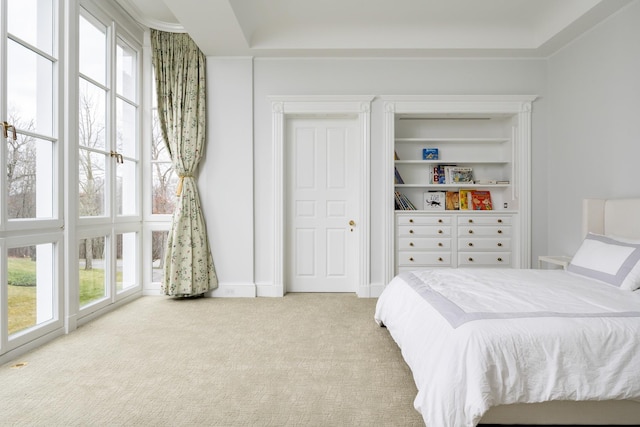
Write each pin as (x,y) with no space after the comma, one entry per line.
(489,135)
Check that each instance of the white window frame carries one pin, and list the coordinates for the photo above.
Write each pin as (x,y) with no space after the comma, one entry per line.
(119,27)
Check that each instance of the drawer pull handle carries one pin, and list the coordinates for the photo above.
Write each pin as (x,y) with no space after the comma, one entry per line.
(411,220)
(470,231)
(499,244)
(499,259)
(470,221)
(410,258)
(439,231)
(440,259)
(410,231)
(470,244)
(470,259)
(440,220)
(410,243)
(499,231)
(440,244)
(499,221)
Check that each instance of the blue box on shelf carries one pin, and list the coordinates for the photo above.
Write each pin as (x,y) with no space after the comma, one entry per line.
(429,154)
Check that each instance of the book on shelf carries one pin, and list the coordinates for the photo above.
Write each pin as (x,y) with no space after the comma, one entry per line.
(480,200)
(464,199)
(452,201)
(435,173)
(398,178)
(438,174)
(429,154)
(459,175)
(402,202)
(434,200)
(450,174)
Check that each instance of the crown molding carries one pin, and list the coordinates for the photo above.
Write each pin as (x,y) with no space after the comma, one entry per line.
(149,22)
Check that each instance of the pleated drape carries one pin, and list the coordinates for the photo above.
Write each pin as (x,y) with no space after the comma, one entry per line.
(179,67)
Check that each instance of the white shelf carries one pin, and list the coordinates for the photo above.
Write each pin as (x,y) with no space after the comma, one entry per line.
(437,186)
(458,212)
(457,162)
(491,135)
(454,140)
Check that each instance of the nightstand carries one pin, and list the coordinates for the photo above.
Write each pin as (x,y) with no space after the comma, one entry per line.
(560,260)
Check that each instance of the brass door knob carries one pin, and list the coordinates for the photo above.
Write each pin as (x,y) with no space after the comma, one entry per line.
(352,223)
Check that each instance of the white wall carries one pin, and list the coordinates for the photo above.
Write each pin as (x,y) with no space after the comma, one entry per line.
(226,174)
(352,76)
(594,124)
(586,125)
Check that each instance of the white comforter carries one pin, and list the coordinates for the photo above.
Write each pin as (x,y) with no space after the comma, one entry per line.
(480,338)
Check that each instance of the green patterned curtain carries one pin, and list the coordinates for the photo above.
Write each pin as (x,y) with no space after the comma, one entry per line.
(180,87)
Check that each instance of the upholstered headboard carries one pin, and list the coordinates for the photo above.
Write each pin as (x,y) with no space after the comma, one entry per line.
(612,217)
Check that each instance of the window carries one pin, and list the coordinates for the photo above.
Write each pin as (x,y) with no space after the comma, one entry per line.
(30,287)
(164,183)
(94,233)
(109,220)
(29,113)
(93,92)
(32,194)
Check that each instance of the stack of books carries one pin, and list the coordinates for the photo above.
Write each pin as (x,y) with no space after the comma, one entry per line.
(403,203)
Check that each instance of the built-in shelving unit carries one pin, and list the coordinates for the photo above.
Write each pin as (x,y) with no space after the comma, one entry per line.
(490,135)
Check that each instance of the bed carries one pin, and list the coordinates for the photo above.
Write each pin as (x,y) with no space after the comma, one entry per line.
(524,346)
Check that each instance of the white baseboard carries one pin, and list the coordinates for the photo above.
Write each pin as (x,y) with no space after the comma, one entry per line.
(224,290)
(251,290)
(31,345)
(269,290)
(234,290)
(375,290)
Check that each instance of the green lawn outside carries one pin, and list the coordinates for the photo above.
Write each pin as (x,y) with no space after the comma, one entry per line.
(22,291)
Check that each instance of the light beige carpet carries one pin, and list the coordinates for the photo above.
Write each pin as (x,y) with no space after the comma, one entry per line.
(301,360)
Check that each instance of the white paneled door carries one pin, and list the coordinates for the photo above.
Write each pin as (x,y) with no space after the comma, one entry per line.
(321,220)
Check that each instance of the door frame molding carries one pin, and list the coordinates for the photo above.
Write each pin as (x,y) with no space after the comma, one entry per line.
(320,107)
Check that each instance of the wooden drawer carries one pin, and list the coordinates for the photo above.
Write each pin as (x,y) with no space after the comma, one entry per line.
(485,230)
(485,259)
(484,244)
(407,258)
(423,220)
(484,220)
(429,243)
(424,230)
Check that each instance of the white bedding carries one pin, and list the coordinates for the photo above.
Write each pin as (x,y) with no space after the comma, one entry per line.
(485,337)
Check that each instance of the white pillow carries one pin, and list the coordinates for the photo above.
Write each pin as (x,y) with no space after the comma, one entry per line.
(609,260)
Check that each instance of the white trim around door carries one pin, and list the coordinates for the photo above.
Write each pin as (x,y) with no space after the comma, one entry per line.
(283,107)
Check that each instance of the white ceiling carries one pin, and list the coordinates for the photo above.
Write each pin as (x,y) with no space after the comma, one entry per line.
(375,27)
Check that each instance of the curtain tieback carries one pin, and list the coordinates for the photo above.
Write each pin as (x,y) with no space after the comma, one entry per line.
(182,177)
